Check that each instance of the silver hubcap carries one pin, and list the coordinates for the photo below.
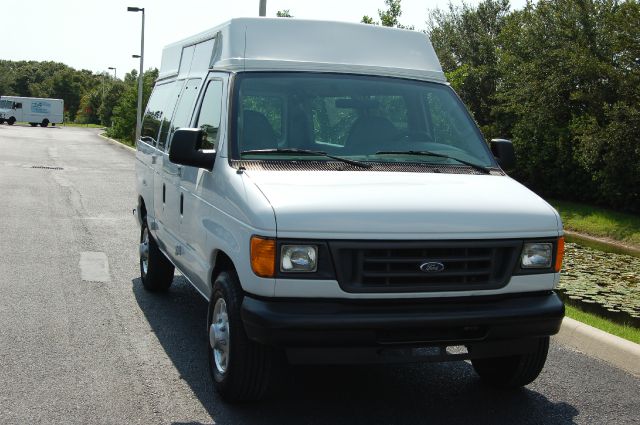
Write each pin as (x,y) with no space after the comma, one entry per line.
(219,335)
(144,251)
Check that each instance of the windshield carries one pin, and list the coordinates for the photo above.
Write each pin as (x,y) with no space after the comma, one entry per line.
(6,104)
(357,117)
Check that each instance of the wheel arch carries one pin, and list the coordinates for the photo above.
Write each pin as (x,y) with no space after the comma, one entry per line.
(221,262)
(141,211)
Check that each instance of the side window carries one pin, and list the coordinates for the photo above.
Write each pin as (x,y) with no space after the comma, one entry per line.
(334,117)
(269,106)
(153,115)
(450,125)
(18,105)
(331,121)
(394,108)
(209,118)
(184,110)
(445,128)
(167,112)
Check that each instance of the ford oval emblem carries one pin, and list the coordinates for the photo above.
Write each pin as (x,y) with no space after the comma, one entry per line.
(432,267)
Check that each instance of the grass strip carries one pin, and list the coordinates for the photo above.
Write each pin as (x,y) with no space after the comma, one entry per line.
(623,331)
(73,124)
(599,222)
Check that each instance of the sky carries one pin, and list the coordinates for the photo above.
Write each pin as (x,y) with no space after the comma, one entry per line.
(98,34)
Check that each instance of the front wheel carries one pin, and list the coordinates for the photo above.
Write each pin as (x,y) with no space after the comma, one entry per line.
(156,270)
(513,371)
(11,121)
(240,368)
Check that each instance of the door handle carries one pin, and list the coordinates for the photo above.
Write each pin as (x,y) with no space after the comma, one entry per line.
(153,159)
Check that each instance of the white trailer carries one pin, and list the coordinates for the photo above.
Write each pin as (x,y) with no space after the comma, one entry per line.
(34,110)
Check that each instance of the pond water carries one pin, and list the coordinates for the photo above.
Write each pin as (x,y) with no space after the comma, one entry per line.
(604,282)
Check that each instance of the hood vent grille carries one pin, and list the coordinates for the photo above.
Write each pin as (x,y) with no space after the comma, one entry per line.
(304,165)
(46,167)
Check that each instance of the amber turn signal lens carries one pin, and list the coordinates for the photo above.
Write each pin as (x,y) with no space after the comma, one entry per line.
(263,256)
(559,253)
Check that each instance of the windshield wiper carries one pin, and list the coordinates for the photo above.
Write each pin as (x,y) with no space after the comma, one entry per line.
(478,167)
(306,152)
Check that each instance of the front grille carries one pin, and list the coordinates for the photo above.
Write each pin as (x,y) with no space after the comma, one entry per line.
(396,266)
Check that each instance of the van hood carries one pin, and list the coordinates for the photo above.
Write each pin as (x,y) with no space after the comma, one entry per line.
(382,205)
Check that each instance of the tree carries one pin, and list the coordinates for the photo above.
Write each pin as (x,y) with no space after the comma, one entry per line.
(124,112)
(112,95)
(466,40)
(570,97)
(283,14)
(389,17)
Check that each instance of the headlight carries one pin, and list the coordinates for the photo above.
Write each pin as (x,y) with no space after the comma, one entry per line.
(536,255)
(299,258)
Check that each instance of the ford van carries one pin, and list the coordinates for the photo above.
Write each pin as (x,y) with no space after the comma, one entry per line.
(326,191)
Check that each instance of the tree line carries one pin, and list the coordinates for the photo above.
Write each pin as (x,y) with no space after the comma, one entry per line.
(561,78)
(89,98)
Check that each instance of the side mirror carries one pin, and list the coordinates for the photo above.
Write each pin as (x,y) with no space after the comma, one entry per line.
(185,149)
(503,151)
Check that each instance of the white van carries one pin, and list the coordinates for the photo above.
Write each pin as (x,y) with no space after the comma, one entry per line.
(34,110)
(323,187)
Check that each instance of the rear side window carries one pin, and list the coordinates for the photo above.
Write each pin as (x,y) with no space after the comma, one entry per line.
(270,106)
(448,124)
(167,115)
(330,122)
(160,106)
(184,109)
(209,118)
(153,115)
(333,117)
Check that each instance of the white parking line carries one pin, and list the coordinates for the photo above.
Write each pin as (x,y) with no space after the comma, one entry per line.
(94,266)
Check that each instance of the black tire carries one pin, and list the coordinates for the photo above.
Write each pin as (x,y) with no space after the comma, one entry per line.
(44,123)
(513,371)
(248,365)
(33,124)
(1,120)
(157,276)
(11,121)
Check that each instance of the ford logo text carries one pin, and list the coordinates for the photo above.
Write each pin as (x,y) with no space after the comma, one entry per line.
(432,267)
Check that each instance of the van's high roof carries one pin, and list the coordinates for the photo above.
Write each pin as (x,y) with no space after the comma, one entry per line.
(290,44)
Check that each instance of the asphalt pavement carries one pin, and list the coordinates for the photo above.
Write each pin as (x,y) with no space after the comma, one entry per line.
(81,342)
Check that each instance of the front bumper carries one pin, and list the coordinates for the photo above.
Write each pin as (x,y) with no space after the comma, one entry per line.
(485,325)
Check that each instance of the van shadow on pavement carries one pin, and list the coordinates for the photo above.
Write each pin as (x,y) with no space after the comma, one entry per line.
(447,393)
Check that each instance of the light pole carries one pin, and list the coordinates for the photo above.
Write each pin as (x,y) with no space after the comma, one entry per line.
(139,117)
(111,68)
(263,8)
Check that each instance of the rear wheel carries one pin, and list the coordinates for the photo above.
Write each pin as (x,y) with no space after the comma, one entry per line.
(44,123)
(513,371)
(240,368)
(156,270)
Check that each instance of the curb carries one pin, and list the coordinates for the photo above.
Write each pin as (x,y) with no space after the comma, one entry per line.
(120,144)
(599,344)
(614,244)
